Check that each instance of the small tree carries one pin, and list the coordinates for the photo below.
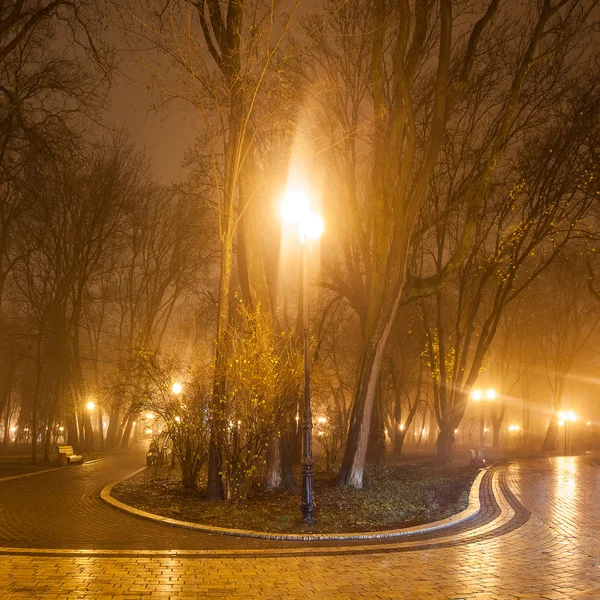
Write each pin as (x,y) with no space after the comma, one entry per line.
(185,415)
(262,369)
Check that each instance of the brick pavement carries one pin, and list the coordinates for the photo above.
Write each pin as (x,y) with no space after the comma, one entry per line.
(537,540)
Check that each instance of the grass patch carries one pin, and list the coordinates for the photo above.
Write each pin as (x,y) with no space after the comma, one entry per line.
(400,496)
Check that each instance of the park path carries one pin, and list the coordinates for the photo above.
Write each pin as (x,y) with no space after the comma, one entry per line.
(538,537)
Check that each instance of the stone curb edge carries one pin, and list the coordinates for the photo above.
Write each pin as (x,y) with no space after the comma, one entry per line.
(471,511)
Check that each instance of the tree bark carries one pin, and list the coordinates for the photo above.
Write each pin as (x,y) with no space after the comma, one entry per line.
(273,478)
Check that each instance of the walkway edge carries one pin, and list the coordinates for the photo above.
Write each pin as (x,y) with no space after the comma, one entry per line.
(471,511)
(23,475)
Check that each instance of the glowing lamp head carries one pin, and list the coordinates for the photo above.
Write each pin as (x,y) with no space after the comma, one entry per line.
(322,420)
(476,395)
(149,416)
(90,405)
(571,416)
(561,423)
(401,427)
(295,207)
(490,394)
(178,419)
(311,227)
(176,388)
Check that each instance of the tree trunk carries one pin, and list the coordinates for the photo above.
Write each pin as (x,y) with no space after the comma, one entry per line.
(496,441)
(398,440)
(100,430)
(273,478)
(551,435)
(376,444)
(114,425)
(72,430)
(127,432)
(36,401)
(89,431)
(444,444)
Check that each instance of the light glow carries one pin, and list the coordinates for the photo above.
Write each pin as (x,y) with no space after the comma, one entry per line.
(295,207)
(311,227)
(568,415)
(90,406)
(176,388)
(149,416)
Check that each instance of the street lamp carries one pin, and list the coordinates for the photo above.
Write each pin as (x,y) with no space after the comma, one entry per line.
(564,418)
(90,406)
(478,395)
(296,210)
(176,388)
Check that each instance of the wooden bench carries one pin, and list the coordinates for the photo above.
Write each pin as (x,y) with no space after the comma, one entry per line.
(71,457)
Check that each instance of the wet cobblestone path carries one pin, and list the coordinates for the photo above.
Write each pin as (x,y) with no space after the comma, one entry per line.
(537,536)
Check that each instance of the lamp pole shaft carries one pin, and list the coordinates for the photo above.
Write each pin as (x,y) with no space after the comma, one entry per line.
(307,505)
(566,429)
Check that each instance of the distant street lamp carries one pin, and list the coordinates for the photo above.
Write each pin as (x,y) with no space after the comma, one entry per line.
(564,418)
(90,406)
(478,395)
(296,210)
(176,388)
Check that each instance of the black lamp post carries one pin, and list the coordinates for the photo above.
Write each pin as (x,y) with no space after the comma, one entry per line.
(308,469)
(296,210)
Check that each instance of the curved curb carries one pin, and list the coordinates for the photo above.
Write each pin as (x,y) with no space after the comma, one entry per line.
(471,511)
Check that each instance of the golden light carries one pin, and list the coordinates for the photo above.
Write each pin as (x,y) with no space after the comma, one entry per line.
(90,405)
(311,227)
(514,428)
(176,388)
(322,420)
(567,415)
(476,395)
(149,416)
(239,422)
(297,418)
(178,419)
(401,427)
(148,431)
(490,394)
(588,423)
(561,423)
(13,429)
(486,429)
(296,210)
(295,207)
(456,431)
(61,428)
